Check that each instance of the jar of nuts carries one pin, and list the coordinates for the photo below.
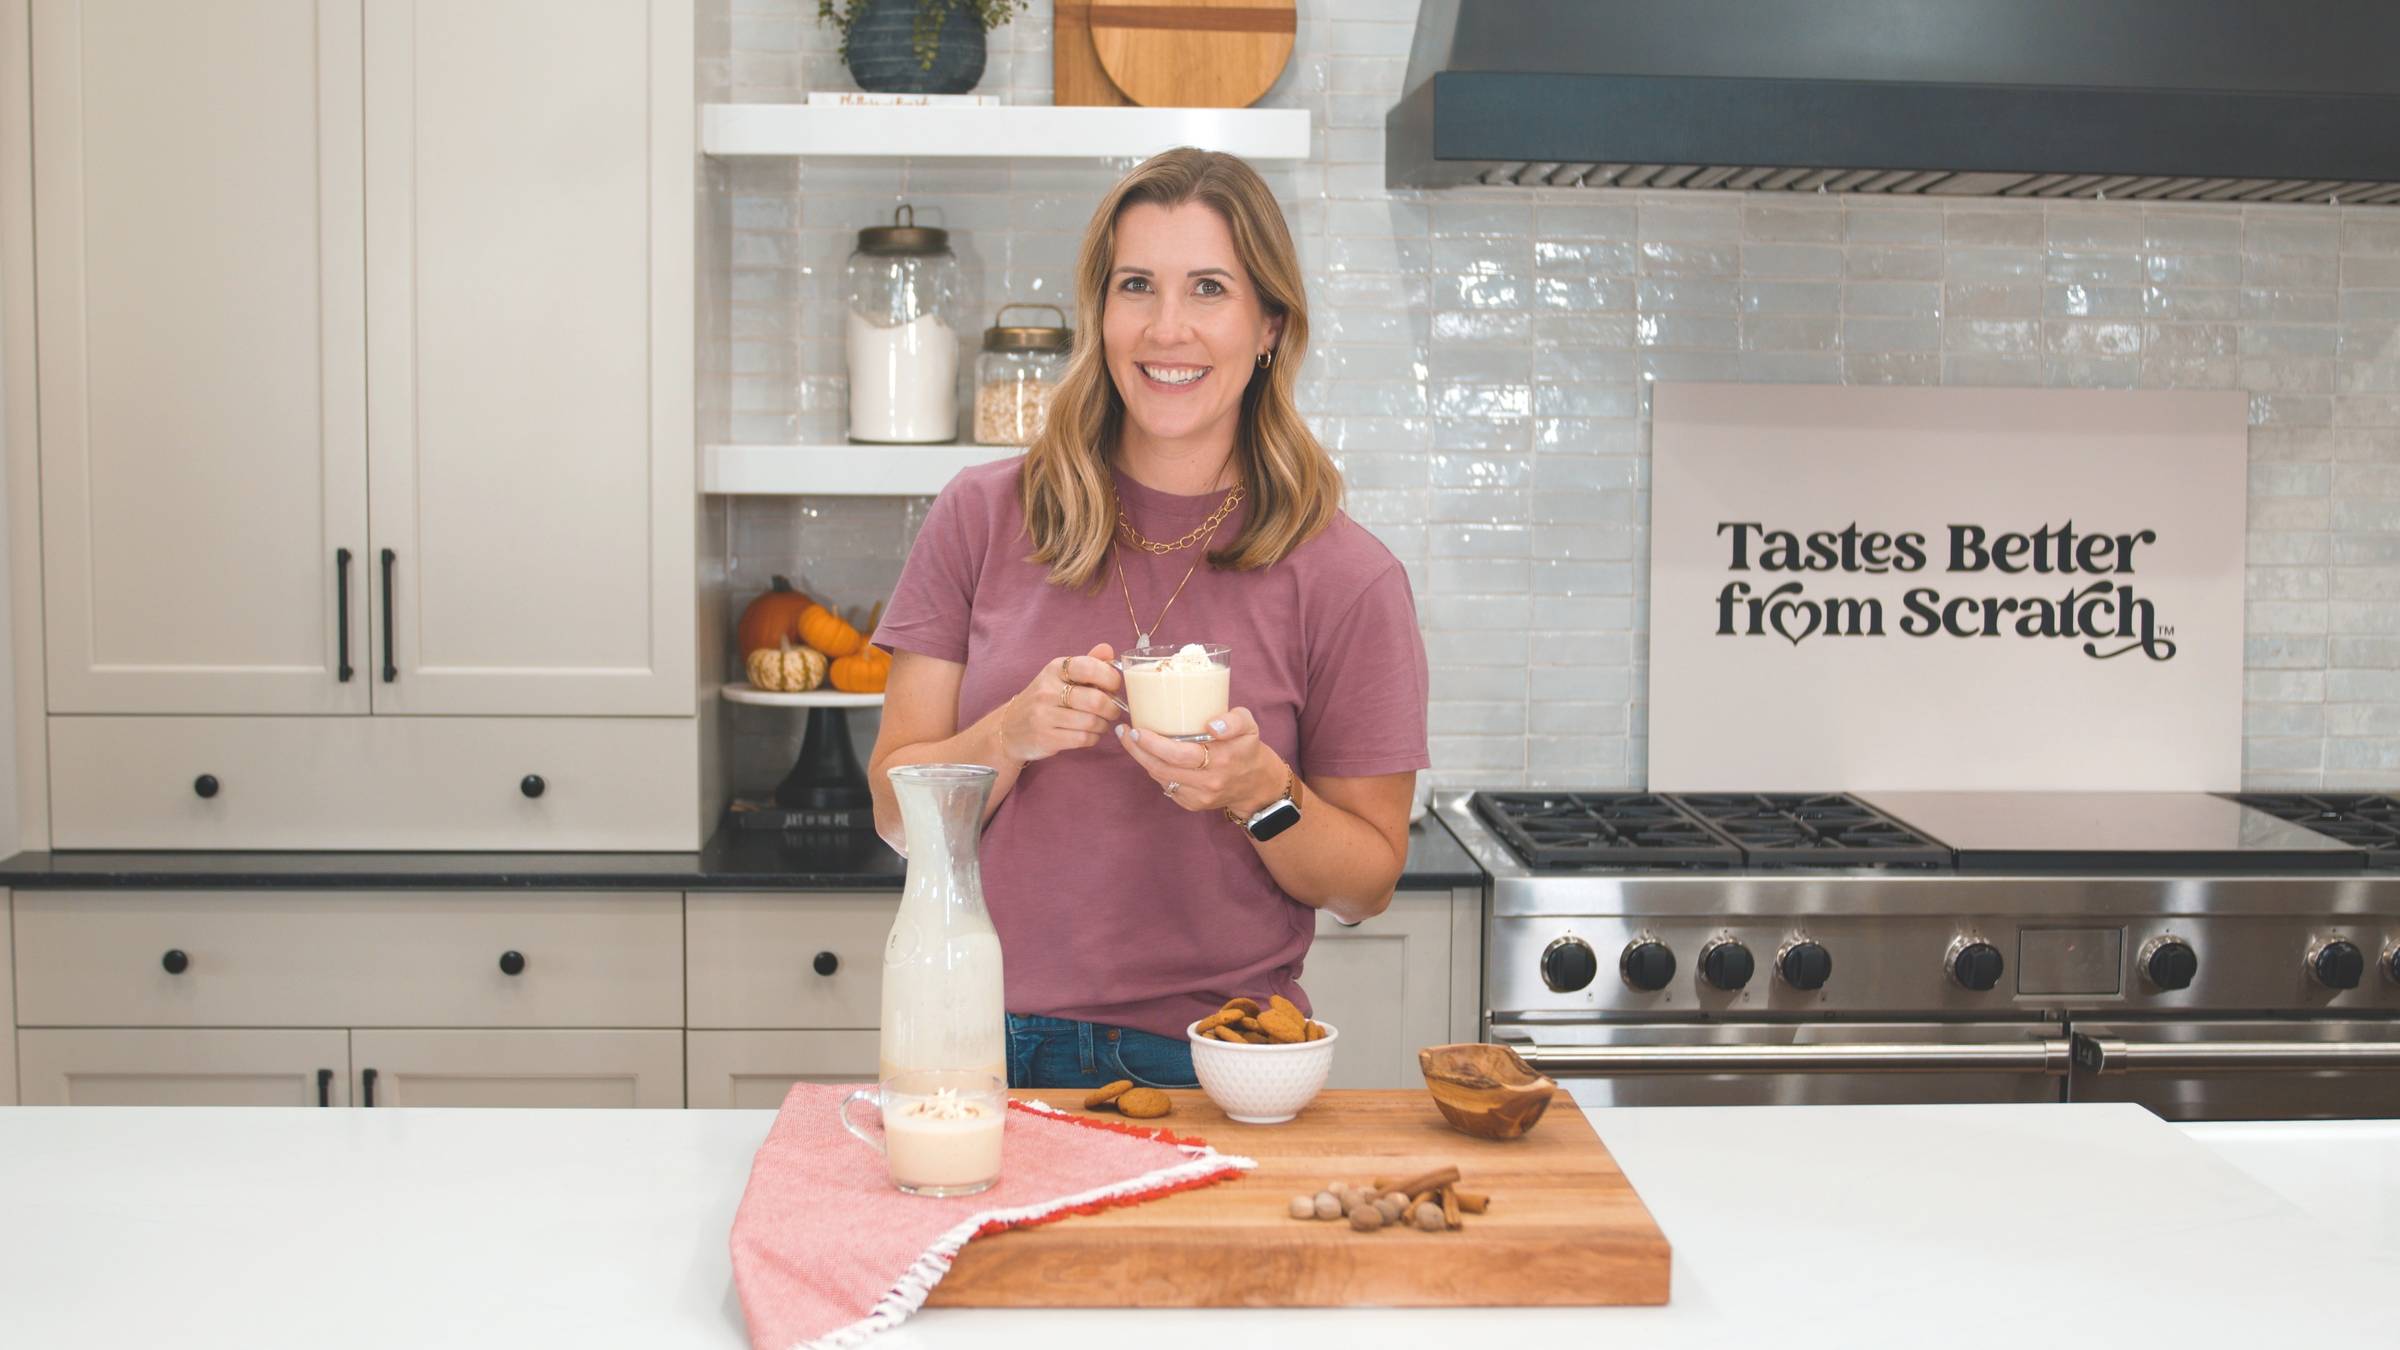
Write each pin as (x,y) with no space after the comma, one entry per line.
(1019,367)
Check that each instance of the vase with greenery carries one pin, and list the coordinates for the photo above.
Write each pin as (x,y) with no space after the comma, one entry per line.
(916,46)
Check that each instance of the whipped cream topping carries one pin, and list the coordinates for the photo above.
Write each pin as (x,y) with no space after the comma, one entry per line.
(944,1104)
(1189,659)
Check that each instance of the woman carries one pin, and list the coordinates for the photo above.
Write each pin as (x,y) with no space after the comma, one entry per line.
(1173,497)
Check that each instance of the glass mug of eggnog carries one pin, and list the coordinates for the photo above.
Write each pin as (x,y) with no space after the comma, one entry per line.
(1177,691)
(941,1129)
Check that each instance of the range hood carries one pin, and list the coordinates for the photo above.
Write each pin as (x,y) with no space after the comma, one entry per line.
(2210,100)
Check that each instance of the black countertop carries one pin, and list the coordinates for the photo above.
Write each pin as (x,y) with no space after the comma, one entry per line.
(732,861)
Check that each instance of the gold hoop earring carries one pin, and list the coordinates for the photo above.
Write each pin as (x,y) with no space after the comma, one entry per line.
(1266,359)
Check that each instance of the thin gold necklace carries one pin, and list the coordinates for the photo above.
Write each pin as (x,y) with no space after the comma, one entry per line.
(1141,635)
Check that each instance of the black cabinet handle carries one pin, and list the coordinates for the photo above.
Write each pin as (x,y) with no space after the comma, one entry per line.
(324,1087)
(512,963)
(532,785)
(175,962)
(205,785)
(827,963)
(341,609)
(366,1084)
(391,671)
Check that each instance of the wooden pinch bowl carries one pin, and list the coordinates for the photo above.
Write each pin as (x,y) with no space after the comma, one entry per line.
(1485,1090)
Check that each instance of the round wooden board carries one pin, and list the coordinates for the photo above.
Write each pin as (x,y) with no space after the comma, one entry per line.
(1194,53)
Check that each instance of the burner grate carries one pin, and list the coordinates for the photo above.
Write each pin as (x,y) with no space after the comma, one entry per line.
(1631,830)
(1785,830)
(2365,820)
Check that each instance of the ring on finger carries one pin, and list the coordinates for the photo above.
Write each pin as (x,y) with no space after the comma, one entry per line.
(1204,758)
(1066,689)
(1170,788)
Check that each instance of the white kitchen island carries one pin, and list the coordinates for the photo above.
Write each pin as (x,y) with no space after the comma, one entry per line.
(1949,1226)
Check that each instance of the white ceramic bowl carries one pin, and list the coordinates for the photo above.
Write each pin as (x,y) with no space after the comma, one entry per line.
(1262,1084)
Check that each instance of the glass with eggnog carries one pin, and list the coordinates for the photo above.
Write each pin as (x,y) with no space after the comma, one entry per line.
(941,1129)
(1177,691)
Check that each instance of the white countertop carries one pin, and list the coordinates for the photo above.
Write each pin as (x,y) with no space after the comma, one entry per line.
(1958,1226)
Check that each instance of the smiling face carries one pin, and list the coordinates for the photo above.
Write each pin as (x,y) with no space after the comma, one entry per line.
(1182,328)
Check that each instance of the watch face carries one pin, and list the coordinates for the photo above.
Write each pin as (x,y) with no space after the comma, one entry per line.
(1282,816)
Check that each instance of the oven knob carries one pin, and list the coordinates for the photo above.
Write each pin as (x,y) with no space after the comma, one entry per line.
(1726,964)
(1805,965)
(1647,965)
(2169,963)
(2391,963)
(1568,965)
(2337,964)
(1976,966)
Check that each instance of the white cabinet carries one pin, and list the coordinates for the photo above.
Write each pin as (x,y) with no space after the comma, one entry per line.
(145,1067)
(366,365)
(754,1069)
(529,190)
(200,309)
(517,1068)
(1393,985)
(8,1007)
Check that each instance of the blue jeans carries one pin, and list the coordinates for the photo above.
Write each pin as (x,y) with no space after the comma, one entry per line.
(1053,1052)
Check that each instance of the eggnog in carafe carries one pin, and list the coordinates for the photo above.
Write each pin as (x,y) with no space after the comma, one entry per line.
(943,1005)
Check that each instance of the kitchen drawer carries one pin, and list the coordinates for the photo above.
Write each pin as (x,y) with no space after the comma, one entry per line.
(349,959)
(754,959)
(149,1067)
(752,1070)
(517,1069)
(618,783)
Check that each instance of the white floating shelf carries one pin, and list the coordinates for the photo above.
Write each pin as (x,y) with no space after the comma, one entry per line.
(815,698)
(840,470)
(999,132)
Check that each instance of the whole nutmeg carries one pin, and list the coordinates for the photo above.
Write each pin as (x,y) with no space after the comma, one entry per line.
(1429,1218)
(1391,1208)
(1366,1218)
(1304,1207)
(1326,1206)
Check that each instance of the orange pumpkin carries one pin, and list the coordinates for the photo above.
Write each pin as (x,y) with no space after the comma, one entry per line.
(825,630)
(864,673)
(772,619)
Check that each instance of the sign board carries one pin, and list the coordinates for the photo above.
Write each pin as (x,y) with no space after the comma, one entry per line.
(1860,587)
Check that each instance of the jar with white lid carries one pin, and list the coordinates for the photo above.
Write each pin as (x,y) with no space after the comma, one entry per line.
(902,344)
(1016,374)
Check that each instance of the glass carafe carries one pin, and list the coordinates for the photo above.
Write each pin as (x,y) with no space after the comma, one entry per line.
(943,1008)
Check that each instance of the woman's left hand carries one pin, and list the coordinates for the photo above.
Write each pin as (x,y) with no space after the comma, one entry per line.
(1235,769)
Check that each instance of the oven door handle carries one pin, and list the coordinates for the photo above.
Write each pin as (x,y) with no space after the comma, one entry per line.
(2048,1056)
(2111,1055)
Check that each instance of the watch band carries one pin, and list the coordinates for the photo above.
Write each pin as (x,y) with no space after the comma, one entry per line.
(1291,793)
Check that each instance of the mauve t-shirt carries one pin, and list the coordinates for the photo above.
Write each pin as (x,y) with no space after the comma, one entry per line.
(1114,904)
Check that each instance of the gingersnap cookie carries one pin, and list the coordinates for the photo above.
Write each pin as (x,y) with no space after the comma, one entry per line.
(1145,1104)
(1102,1096)
(1316,1031)
(1284,1025)
(1247,1007)
(1228,1035)
(1216,1019)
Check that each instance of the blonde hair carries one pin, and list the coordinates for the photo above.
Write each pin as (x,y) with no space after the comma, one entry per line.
(1291,485)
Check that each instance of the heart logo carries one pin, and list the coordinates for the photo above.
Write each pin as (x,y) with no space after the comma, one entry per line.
(1783,613)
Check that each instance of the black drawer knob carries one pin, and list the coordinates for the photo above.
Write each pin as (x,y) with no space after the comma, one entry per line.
(532,785)
(175,962)
(827,963)
(205,785)
(512,963)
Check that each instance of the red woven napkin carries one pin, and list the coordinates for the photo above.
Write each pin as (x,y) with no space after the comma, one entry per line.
(827,1253)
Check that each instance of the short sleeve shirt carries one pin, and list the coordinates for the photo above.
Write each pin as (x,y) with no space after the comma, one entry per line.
(1113,903)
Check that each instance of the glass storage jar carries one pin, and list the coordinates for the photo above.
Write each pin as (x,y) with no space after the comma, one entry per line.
(1015,375)
(902,346)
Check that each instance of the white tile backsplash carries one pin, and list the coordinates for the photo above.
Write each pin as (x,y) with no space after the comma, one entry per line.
(1481,359)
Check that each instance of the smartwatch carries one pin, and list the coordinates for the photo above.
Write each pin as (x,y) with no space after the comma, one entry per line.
(1276,816)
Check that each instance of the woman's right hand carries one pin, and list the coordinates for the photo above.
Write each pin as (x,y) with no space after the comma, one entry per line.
(1069,706)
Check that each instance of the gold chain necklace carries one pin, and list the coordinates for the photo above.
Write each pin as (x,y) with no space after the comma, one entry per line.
(1202,531)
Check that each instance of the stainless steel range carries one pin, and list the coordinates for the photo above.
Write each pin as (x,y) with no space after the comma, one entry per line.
(2208,957)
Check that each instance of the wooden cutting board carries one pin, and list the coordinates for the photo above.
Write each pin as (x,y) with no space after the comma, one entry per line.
(1076,79)
(1565,1227)
(1193,53)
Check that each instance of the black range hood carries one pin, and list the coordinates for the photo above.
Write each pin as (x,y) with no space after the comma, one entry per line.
(2210,100)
